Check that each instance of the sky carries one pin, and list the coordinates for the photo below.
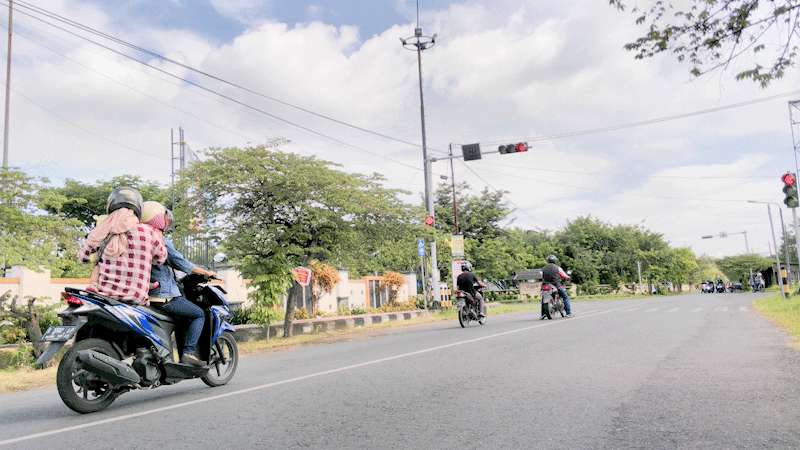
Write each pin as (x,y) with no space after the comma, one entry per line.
(502,71)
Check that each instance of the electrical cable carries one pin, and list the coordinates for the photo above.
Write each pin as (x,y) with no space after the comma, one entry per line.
(219,94)
(75,24)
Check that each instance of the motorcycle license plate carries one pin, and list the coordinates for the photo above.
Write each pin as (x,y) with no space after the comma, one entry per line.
(59,334)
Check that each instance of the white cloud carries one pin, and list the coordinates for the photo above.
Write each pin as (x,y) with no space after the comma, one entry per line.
(505,69)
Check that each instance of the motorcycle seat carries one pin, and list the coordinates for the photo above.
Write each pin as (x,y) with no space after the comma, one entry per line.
(158,314)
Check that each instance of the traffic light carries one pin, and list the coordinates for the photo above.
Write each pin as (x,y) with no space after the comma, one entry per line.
(513,148)
(471,152)
(790,190)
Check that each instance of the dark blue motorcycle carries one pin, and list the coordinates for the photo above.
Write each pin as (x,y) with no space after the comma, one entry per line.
(121,347)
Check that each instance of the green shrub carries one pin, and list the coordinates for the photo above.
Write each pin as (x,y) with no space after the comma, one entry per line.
(300,314)
(357,311)
(241,316)
(22,356)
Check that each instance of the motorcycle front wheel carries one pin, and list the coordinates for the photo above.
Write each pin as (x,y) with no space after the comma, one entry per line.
(223,361)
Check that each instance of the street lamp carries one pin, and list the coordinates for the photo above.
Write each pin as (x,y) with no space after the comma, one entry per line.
(724,234)
(419,43)
(774,241)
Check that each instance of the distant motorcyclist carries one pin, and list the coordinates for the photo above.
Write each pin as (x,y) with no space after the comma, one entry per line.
(553,274)
(467,282)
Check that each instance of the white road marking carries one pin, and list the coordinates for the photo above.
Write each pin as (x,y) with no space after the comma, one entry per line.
(632,309)
(698,309)
(724,309)
(673,309)
(293,380)
(653,309)
(743,308)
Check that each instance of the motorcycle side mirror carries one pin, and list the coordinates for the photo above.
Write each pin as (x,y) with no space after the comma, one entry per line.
(220,257)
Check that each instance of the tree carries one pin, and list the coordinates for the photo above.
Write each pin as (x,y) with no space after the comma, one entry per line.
(277,210)
(28,315)
(85,200)
(710,34)
(738,267)
(393,281)
(28,236)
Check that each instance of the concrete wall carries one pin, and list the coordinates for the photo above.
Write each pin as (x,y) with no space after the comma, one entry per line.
(353,293)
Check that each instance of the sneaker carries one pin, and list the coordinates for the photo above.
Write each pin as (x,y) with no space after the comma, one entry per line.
(192,359)
(570,316)
(543,317)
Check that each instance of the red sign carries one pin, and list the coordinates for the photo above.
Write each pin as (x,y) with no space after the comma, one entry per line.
(429,221)
(302,275)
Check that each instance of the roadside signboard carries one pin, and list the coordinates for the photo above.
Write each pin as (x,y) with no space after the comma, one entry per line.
(302,275)
(421,247)
(455,270)
(457,246)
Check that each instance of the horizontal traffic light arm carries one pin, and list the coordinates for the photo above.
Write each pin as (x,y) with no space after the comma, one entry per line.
(456,156)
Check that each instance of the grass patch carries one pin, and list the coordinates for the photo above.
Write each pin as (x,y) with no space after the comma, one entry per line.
(785,313)
(13,380)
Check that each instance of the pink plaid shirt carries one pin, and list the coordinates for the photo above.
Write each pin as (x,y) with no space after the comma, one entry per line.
(127,277)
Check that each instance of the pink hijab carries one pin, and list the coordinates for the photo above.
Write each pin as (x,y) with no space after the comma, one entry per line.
(116,225)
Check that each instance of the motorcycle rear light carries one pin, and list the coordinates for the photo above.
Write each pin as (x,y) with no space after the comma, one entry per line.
(71,300)
(546,287)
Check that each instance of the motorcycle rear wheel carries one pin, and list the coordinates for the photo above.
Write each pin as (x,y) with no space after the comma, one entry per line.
(463,317)
(548,311)
(74,387)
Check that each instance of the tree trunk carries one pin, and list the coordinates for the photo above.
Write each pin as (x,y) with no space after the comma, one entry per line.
(34,331)
(290,306)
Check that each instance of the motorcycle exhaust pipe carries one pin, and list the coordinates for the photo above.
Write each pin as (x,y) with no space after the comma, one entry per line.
(109,369)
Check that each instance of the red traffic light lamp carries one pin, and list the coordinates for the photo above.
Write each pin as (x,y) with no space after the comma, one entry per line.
(513,148)
(790,190)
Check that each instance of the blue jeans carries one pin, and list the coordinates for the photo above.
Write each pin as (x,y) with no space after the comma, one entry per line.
(183,309)
(563,293)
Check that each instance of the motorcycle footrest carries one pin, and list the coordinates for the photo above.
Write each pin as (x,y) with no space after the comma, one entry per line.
(183,371)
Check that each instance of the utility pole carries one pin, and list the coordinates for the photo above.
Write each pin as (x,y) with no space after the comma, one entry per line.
(453,180)
(172,166)
(794,122)
(8,83)
(420,43)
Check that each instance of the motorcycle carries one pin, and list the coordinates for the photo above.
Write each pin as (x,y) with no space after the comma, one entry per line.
(551,301)
(468,308)
(121,347)
(708,287)
(720,287)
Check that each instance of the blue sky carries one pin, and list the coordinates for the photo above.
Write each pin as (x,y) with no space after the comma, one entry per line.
(201,16)
(501,70)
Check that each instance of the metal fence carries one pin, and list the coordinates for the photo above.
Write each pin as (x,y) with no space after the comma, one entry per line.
(196,249)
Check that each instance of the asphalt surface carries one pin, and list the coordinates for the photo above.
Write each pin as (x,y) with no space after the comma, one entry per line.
(701,371)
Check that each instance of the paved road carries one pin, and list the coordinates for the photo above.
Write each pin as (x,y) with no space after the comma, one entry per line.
(679,372)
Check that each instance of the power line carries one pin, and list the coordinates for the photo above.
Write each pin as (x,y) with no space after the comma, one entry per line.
(219,94)
(129,87)
(641,123)
(73,23)
(82,128)
(679,177)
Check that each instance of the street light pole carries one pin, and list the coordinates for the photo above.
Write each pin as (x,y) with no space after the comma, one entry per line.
(774,242)
(777,252)
(420,43)
(453,186)
(785,247)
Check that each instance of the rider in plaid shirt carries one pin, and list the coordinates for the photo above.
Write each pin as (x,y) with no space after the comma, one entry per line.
(129,248)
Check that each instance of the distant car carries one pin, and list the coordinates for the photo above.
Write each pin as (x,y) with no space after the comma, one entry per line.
(736,287)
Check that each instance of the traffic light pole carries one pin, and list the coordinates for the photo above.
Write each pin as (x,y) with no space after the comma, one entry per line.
(793,109)
(785,247)
(777,252)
